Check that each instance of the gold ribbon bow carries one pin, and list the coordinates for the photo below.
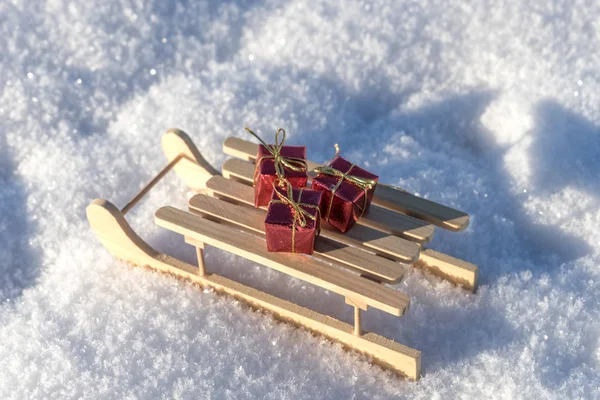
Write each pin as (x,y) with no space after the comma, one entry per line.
(299,214)
(362,183)
(281,162)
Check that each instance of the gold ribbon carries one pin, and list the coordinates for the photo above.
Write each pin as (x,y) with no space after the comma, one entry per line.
(281,162)
(299,214)
(362,183)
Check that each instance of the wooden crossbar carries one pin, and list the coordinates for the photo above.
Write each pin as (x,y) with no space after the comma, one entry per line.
(360,236)
(377,217)
(369,264)
(385,196)
(150,184)
(298,265)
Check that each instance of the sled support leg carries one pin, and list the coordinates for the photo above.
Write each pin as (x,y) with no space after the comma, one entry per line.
(357,321)
(200,254)
(358,307)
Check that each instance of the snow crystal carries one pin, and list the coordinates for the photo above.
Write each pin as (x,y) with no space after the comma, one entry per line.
(491,108)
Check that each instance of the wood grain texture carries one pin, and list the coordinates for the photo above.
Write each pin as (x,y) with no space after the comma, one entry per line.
(360,236)
(346,256)
(297,265)
(200,257)
(117,236)
(438,214)
(458,271)
(377,217)
(385,196)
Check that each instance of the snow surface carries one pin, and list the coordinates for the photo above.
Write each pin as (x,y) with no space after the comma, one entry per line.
(488,106)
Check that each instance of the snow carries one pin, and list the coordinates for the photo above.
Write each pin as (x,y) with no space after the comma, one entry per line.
(490,107)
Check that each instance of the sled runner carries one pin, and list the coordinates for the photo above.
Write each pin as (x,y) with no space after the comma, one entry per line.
(357,265)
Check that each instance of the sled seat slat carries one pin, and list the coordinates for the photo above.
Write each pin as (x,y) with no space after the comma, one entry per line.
(385,196)
(461,272)
(377,217)
(369,264)
(359,236)
(418,207)
(297,265)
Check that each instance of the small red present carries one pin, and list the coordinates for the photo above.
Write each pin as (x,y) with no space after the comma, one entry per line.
(347,192)
(276,161)
(293,219)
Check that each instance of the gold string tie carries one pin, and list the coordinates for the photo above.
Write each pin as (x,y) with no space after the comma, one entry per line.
(360,182)
(281,162)
(299,214)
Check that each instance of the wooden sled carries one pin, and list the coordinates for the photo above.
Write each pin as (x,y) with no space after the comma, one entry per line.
(356,265)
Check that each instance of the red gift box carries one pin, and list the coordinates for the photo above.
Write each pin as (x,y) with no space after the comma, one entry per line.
(276,161)
(347,192)
(266,172)
(293,223)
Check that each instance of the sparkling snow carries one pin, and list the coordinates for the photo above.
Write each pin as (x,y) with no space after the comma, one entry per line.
(490,107)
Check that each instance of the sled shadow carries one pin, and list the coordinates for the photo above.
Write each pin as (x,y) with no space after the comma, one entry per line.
(556,162)
(565,151)
(452,129)
(564,154)
(20,266)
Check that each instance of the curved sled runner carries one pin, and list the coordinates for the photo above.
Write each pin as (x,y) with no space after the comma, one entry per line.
(356,265)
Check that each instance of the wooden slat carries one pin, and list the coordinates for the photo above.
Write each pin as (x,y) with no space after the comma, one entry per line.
(245,150)
(253,219)
(297,265)
(238,168)
(359,236)
(418,207)
(460,272)
(385,196)
(377,217)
